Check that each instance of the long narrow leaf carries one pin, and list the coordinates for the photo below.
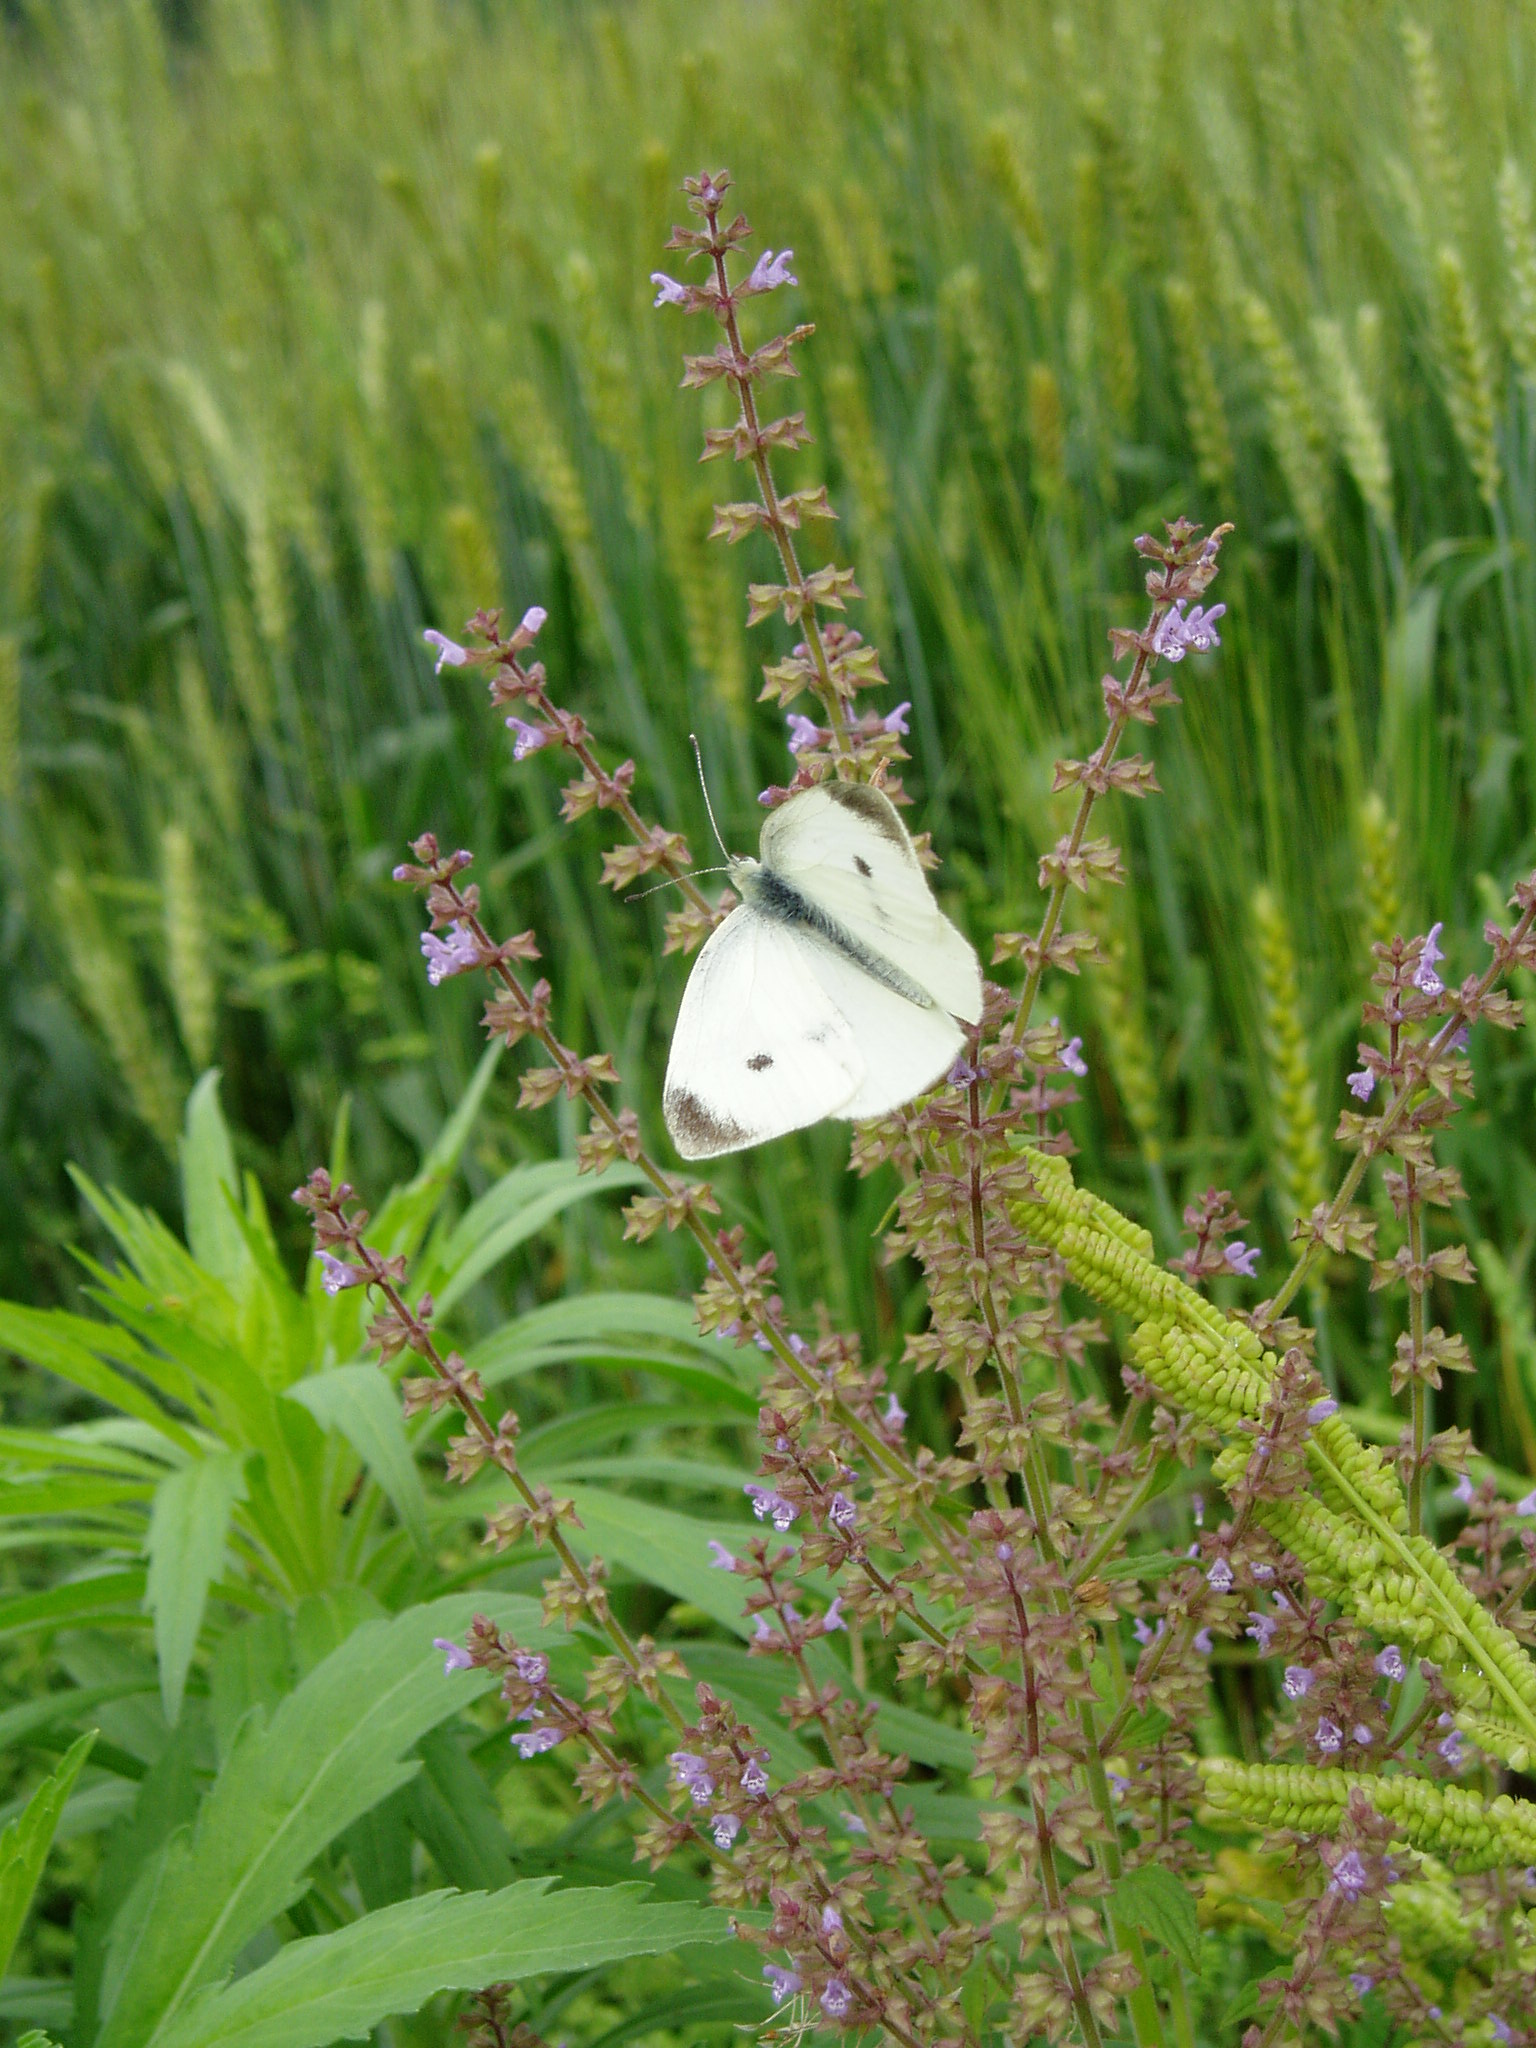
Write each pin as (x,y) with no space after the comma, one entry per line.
(361,1404)
(25,1843)
(188,1529)
(210,1187)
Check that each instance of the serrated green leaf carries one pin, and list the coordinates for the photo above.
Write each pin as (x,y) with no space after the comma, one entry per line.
(358,1402)
(102,1597)
(660,1548)
(25,1843)
(210,1186)
(521,1204)
(625,1330)
(339,1986)
(290,1784)
(1162,1906)
(188,1530)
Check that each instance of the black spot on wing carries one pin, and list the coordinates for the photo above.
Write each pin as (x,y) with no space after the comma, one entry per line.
(697,1130)
(874,807)
(760,1062)
(863,866)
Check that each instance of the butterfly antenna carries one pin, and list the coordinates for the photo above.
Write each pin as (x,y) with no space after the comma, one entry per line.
(693,739)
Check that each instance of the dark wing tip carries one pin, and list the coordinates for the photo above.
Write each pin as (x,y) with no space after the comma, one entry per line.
(696,1131)
(873,806)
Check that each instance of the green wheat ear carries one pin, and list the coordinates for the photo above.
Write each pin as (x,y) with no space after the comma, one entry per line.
(1299,1148)
(1295,431)
(1380,847)
(1465,365)
(1205,412)
(194,992)
(108,988)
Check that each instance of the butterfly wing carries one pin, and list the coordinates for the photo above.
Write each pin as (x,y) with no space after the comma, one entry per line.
(905,1046)
(843,846)
(760,1047)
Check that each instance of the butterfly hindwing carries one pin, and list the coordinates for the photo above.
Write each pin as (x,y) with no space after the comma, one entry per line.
(843,846)
(906,1047)
(760,1047)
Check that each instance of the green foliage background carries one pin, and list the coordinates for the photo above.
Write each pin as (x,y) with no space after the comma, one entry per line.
(320,323)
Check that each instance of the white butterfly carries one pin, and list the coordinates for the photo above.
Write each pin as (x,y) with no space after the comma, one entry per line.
(831,991)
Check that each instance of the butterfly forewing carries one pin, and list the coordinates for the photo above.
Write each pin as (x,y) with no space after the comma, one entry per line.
(844,847)
(760,1046)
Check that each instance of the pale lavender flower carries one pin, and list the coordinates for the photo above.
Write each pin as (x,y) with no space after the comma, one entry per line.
(1500,2027)
(449,652)
(1321,1410)
(1297,1681)
(1144,1635)
(1242,1258)
(455,1656)
(842,1513)
(782,1983)
(720,1559)
(1526,1505)
(1262,1572)
(1203,1641)
(896,721)
(534,1741)
(770,1506)
(692,1774)
(1459,1039)
(804,733)
(1463,1490)
(831,1920)
(1329,1737)
(532,621)
(763,1633)
(450,955)
(1004,1552)
(1454,1749)
(531,1666)
(836,1999)
(1071,1057)
(725,1827)
(668,291)
(1362,1735)
(754,1780)
(1389,1662)
(336,1275)
(895,1414)
(854,1825)
(1360,1983)
(1362,1085)
(527,739)
(798,1345)
(1350,1875)
(1424,975)
(1219,1577)
(1262,1629)
(1199,630)
(770,271)
(833,1618)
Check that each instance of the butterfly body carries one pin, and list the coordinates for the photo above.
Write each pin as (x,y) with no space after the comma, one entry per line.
(832,990)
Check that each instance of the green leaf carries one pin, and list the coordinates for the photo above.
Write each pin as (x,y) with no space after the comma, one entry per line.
(102,1597)
(26,1841)
(210,1187)
(623,1329)
(402,1221)
(339,1986)
(660,1548)
(521,1204)
(68,1345)
(364,1407)
(1162,1906)
(188,1529)
(290,1784)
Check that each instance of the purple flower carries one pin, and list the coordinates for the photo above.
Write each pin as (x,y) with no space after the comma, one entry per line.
(896,721)
(534,1741)
(962,1073)
(1178,636)
(720,1559)
(531,1666)
(1242,1258)
(336,1275)
(842,1514)
(754,1780)
(1463,1490)
(668,291)
(1071,1057)
(529,738)
(1424,975)
(833,1618)
(782,1983)
(1389,1662)
(798,1345)
(1362,1084)
(725,1827)
(692,1773)
(455,1656)
(770,1506)
(1262,1629)
(895,1414)
(1362,1735)
(1203,1641)
(831,1920)
(1296,1682)
(448,651)
(1360,1983)
(1004,1552)
(1459,1040)
(770,271)
(1454,1749)
(1500,2027)
(1329,1737)
(854,1825)
(1526,1505)
(804,733)
(532,621)
(836,1999)
(1219,1577)
(764,1630)
(450,955)
(1119,1784)
(1144,1635)
(1321,1410)
(1350,1875)
(1262,1572)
